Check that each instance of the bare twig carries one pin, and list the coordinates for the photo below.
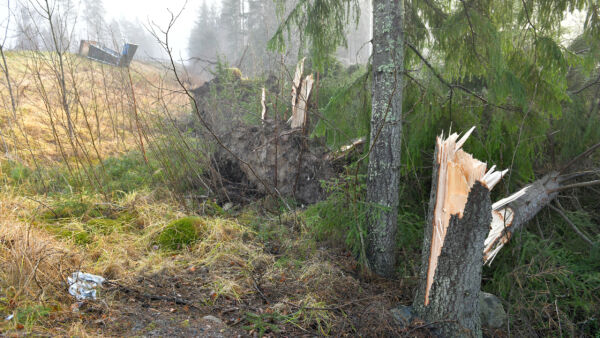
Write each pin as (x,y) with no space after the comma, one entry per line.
(451,86)
(142,294)
(260,292)
(587,152)
(568,177)
(588,85)
(44,205)
(571,224)
(575,185)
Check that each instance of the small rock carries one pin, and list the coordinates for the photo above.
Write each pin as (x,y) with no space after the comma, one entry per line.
(75,307)
(491,311)
(403,314)
(213,319)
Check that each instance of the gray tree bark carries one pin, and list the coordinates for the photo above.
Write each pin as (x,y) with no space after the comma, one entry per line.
(386,133)
(453,305)
(539,194)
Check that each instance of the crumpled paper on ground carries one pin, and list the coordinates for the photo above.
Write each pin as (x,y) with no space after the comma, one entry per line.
(83,285)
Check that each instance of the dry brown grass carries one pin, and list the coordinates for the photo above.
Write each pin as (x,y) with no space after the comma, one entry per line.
(35,263)
(32,262)
(300,281)
(100,101)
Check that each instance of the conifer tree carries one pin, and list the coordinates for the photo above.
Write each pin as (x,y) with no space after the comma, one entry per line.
(231,23)
(26,39)
(260,25)
(203,41)
(93,15)
(503,60)
(383,174)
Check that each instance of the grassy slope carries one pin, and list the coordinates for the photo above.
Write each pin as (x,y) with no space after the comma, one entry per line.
(100,103)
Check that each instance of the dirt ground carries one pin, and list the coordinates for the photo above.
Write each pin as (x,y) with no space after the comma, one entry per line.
(168,304)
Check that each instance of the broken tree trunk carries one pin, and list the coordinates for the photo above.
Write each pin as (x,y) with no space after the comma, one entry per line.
(263,103)
(513,212)
(460,213)
(300,95)
(464,230)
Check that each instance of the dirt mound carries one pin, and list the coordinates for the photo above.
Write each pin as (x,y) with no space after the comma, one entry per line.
(273,159)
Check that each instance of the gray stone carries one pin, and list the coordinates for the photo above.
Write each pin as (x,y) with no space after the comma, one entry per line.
(491,311)
(213,319)
(403,314)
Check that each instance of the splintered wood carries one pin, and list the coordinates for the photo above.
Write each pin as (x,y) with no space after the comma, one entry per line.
(300,94)
(263,103)
(457,173)
(502,218)
(296,82)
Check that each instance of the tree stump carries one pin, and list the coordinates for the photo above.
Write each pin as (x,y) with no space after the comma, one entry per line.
(460,213)
(453,302)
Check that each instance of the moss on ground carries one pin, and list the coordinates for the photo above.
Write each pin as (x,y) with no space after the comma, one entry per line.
(181,233)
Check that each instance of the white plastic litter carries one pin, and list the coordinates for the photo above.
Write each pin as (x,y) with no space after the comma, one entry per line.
(83,285)
(9,317)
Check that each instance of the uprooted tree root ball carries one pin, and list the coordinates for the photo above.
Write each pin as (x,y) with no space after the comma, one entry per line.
(278,161)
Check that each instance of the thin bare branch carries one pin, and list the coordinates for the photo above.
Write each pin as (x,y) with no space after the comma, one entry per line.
(571,224)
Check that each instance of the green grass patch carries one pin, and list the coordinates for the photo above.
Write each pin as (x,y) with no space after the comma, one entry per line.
(264,323)
(71,208)
(82,221)
(128,172)
(29,315)
(181,233)
(550,283)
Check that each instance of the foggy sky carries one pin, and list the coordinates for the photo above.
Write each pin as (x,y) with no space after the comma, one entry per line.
(157,11)
(143,10)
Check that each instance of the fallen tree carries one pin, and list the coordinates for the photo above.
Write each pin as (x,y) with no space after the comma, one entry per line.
(514,212)
(273,158)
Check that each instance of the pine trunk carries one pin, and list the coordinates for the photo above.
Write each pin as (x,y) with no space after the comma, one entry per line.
(386,133)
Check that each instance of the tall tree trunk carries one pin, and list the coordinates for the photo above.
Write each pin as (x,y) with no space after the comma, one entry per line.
(386,133)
